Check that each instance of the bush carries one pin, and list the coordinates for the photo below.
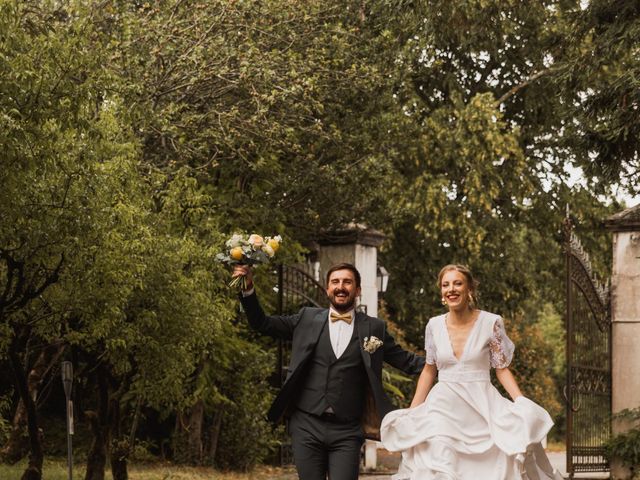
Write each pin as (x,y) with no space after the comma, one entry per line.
(5,423)
(246,437)
(626,446)
(533,366)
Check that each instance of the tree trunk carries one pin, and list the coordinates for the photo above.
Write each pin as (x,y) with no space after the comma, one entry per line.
(18,445)
(188,446)
(97,456)
(120,444)
(215,434)
(36,456)
(119,461)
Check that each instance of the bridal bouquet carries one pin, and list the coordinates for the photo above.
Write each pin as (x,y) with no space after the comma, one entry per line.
(251,250)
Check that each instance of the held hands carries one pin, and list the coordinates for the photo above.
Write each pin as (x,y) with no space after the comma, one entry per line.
(244,271)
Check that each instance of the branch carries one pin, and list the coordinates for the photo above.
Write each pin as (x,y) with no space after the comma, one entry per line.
(13,267)
(527,82)
(51,279)
(134,423)
(30,292)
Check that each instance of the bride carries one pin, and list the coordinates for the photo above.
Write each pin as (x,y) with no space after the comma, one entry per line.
(461,428)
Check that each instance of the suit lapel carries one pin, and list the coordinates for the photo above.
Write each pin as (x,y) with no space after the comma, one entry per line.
(303,348)
(316,327)
(363,329)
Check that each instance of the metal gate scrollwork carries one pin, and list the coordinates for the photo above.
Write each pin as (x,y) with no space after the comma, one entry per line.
(296,289)
(588,384)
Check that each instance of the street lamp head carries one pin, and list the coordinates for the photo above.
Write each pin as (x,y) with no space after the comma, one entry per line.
(382,279)
(67,377)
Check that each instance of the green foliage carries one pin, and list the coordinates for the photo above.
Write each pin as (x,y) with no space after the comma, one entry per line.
(137,137)
(551,327)
(5,424)
(119,254)
(626,446)
(532,363)
(393,381)
(600,84)
(246,437)
(265,101)
(550,324)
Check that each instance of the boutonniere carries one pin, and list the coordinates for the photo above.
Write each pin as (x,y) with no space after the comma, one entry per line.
(371,344)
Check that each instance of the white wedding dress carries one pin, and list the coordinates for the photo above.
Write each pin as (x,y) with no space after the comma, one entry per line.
(466,430)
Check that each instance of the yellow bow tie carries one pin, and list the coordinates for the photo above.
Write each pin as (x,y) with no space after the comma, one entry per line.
(345,317)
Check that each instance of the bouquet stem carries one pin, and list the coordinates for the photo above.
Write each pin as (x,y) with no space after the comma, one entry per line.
(239,282)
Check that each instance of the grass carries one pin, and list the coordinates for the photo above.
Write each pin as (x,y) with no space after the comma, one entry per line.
(57,470)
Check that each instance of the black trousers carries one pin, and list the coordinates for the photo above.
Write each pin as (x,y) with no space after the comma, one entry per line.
(325,446)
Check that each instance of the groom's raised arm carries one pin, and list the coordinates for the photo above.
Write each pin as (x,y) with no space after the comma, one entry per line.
(274,326)
(277,326)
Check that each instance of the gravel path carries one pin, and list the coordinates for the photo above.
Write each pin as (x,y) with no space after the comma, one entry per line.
(389,462)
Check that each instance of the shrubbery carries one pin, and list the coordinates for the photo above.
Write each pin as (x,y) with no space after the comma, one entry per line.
(246,436)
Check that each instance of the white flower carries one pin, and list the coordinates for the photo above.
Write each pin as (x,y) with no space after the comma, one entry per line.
(235,241)
(266,248)
(370,345)
(256,241)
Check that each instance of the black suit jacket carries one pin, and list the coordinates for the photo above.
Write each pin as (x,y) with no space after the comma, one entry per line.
(303,330)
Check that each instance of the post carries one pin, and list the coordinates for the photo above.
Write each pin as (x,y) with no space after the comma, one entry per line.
(625,321)
(67,381)
(568,389)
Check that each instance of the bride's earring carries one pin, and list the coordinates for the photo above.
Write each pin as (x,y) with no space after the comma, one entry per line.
(471,301)
(444,302)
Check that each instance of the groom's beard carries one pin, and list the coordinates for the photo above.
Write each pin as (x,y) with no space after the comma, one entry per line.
(342,304)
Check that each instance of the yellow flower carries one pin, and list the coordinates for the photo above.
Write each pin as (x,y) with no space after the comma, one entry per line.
(236,253)
(268,250)
(274,244)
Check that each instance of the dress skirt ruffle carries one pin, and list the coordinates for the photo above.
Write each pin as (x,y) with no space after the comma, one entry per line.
(468,431)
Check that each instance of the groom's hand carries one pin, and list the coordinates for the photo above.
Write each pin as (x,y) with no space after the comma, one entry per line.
(244,270)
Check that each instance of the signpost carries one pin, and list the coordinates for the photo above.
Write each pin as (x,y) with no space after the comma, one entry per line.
(67,381)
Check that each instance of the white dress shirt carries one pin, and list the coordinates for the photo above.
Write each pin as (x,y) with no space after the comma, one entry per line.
(340,333)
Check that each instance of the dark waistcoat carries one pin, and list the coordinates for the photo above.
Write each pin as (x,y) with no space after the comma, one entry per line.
(339,383)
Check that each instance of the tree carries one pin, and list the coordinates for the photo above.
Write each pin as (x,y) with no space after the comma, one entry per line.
(98,253)
(482,157)
(50,121)
(264,102)
(600,91)
(136,136)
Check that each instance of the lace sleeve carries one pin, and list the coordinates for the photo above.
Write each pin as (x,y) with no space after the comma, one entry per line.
(429,345)
(501,348)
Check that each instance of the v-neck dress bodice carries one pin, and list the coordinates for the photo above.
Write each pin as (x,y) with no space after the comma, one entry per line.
(473,364)
(466,430)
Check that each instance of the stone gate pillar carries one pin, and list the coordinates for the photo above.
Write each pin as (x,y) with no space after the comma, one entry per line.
(625,319)
(357,245)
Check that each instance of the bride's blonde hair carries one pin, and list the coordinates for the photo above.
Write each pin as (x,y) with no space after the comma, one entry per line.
(463,269)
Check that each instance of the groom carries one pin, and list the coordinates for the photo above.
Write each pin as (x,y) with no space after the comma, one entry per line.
(333,392)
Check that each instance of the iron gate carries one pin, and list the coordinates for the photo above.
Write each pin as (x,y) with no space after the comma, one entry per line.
(588,348)
(296,289)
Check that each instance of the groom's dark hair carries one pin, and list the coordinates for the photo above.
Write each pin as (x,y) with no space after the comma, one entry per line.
(344,266)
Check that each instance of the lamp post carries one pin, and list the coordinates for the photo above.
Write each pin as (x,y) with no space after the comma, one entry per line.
(67,382)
